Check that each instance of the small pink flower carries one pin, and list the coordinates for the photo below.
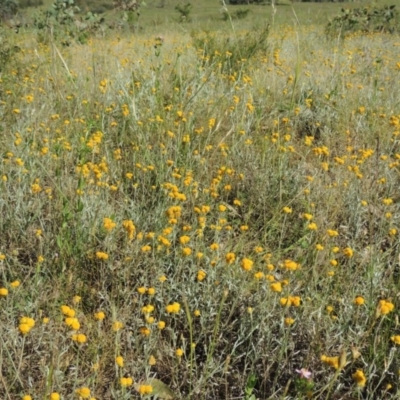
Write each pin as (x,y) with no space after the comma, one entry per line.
(304,373)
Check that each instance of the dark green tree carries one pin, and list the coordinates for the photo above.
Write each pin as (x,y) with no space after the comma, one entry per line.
(8,9)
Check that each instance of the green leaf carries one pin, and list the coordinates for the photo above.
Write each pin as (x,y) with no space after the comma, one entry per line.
(160,389)
(59,241)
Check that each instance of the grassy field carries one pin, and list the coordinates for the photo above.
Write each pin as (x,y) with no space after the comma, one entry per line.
(209,214)
(207,14)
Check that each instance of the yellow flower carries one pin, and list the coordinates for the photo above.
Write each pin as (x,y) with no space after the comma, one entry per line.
(247,264)
(387,201)
(76,299)
(73,323)
(295,300)
(184,239)
(119,360)
(145,389)
(259,275)
(35,188)
(99,316)
(151,291)
(145,331)
(230,258)
(291,265)
(68,311)
(117,325)
(290,301)
(287,210)
(201,275)
(161,325)
(173,308)
(141,290)
(214,246)
(24,328)
(27,397)
(197,313)
(331,361)
(348,252)
(393,232)
(284,301)
(186,251)
(101,255)
(152,360)
(359,301)
(395,339)
(385,307)
(83,392)
(147,309)
(146,248)
(54,396)
(289,321)
(28,321)
(15,284)
(360,378)
(276,287)
(125,382)
(129,228)
(179,352)
(312,226)
(332,233)
(109,224)
(79,337)
(3,292)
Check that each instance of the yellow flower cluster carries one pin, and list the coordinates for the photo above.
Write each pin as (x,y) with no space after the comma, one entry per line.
(331,361)
(173,308)
(360,378)
(294,301)
(384,307)
(26,324)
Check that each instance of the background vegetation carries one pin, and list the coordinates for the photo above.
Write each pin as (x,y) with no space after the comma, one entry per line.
(205,208)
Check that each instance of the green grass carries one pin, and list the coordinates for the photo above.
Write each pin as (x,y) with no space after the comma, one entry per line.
(207,14)
(227,197)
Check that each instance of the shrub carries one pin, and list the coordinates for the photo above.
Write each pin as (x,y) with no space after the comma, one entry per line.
(367,19)
(238,14)
(184,12)
(238,2)
(29,3)
(64,23)
(95,6)
(8,8)
(231,50)
(7,52)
